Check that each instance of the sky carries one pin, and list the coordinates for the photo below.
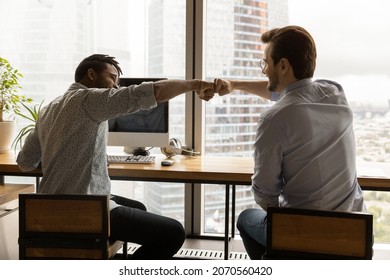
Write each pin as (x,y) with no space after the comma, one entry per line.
(352,37)
(353,47)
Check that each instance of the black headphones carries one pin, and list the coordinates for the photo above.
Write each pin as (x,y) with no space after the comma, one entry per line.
(176,148)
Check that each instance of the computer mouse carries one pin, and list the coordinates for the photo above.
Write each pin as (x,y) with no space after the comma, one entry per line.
(167,162)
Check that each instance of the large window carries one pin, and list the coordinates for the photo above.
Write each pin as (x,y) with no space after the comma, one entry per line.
(45,40)
(351,49)
(233,52)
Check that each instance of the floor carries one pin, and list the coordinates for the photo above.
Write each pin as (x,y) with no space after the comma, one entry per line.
(213,249)
(381,252)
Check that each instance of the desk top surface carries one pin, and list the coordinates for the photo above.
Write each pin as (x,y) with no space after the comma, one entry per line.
(9,192)
(234,170)
(201,169)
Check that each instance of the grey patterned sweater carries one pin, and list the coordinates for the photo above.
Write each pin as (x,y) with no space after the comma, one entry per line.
(70,137)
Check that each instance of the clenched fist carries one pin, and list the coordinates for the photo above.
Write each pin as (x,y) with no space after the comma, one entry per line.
(206,91)
(222,87)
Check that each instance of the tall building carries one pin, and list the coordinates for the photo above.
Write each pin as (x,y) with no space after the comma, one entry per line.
(233,51)
(40,44)
(235,54)
(47,39)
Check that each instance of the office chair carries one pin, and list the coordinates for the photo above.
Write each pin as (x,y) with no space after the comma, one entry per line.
(66,227)
(317,234)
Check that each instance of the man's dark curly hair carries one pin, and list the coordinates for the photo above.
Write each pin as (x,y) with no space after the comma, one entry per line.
(98,62)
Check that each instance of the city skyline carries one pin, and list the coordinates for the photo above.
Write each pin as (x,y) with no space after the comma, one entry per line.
(352,46)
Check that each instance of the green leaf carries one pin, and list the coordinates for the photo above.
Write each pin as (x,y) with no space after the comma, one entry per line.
(9,86)
(32,116)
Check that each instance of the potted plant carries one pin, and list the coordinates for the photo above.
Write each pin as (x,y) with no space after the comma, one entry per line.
(31,116)
(10,103)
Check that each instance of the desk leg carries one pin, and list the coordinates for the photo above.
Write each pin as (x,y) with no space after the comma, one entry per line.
(37,181)
(2,179)
(233,210)
(226,240)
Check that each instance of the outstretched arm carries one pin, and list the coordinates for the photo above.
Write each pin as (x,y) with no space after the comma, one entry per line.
(165,90)
(259,88)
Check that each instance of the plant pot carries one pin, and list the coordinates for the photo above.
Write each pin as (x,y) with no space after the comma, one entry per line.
(7,135)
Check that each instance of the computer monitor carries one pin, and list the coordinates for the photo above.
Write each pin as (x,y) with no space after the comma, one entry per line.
(143,129)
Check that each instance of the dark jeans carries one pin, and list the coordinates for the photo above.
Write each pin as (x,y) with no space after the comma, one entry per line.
(252,224)
(160,237)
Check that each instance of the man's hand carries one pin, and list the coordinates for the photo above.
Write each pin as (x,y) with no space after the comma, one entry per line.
(206,91)
(222,87)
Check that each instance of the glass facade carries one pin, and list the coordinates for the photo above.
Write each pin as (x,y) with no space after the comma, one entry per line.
(233,52)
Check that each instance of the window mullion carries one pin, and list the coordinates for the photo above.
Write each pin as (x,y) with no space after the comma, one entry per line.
(194,108)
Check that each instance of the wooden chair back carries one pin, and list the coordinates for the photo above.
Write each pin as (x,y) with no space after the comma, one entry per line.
(65,227)
(317,234)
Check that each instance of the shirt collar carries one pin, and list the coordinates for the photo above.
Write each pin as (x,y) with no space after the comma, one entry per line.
(296,85)
(75,86)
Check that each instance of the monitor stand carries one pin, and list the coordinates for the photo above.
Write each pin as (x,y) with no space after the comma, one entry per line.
(137,151)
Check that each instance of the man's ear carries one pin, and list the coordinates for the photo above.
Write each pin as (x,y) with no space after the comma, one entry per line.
(284,64)
(285,67)
(91,74)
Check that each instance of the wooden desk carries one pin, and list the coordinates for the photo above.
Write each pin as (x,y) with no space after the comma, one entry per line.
(10,192)
(196,169)
(228,171)
(203,169)
(212,170)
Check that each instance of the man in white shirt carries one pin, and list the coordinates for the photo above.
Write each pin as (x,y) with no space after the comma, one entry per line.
(305,147)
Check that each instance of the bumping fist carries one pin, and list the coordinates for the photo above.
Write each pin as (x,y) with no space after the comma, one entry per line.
(222,87)
(206,91)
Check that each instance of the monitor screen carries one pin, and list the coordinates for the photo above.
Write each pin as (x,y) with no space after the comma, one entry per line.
(145,128)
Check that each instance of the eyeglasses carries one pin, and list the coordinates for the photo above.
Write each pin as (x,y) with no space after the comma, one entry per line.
(263,63)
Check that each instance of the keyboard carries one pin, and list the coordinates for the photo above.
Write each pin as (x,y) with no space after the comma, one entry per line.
(130,159)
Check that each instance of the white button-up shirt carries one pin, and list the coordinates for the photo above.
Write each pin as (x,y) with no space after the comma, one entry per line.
(305,150)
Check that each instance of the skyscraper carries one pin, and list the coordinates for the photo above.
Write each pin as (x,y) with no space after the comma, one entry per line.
(233,51)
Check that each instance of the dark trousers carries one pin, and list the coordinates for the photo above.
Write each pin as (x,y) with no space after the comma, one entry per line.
(252,224)
(160,237)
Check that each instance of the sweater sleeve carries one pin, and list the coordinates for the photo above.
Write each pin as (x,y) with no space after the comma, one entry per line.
(29,157)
